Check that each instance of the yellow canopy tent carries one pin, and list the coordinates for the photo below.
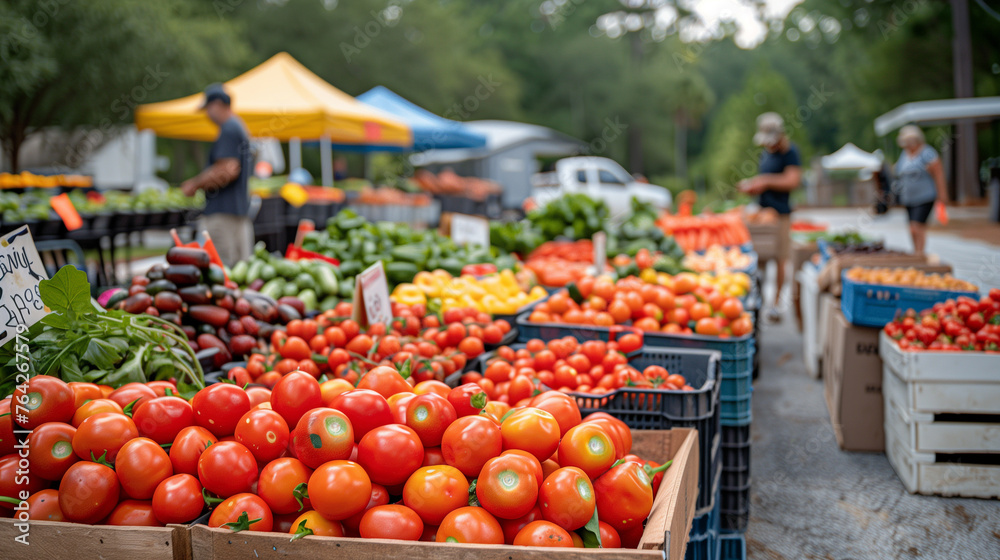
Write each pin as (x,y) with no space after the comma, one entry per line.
(281,99)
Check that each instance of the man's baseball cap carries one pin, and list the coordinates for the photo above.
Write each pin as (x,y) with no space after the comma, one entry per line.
(215,92)
(770,129)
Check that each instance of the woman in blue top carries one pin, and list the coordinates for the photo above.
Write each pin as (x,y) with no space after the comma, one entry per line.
(919,182)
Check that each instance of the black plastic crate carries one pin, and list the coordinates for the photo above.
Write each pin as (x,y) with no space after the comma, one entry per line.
(735,507)
(703,540)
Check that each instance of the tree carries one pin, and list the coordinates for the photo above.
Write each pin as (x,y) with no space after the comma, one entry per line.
(90,62)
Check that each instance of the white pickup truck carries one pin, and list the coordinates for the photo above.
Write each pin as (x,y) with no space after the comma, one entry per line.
(599,178)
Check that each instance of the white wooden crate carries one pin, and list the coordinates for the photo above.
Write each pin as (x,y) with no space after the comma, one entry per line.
(939,366)
(809,299)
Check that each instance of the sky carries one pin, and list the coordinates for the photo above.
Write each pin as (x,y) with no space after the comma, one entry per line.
(751,30)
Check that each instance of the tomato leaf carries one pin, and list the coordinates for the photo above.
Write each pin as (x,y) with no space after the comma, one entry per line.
(129,409)
(591,533)
(103,459)
(473,498)
(407,368)
(301,531)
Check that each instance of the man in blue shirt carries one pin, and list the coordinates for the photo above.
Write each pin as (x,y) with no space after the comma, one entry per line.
(226,216)
(780,173)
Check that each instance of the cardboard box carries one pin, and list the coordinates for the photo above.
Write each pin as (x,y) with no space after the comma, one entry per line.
(853,386)
(56,539)
(829,307)
(801,252)
(665,535)
(765,240)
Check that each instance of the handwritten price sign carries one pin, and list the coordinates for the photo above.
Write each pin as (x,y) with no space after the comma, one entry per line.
(372,290)
(21,270)
(470,230)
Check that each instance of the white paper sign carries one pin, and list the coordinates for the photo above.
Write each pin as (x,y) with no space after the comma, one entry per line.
(21,269)
(374,290)
(470,230)
(600,252)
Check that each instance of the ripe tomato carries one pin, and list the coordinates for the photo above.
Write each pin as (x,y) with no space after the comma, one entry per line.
(44,506)
(432,386)
(384,380)
(708,326)
(366,410)
(13,483)
(589,448)
(543,533)
(178,499)
(339,489)
(741,326)
(228,513)
(615,425)
(511,527)
(434,492)
(470,525)
(390,454)
(141,465)
(264,432)
(7,441)
(561,406)
(133,513)
(433,456)
(51,450)
(612,430)
(429,416)
(379,497)
(294,395)
(322,434)
(330,389)
(609,537)
(43,399)
(103,433)
(630,342)
(533,430)
(391,522)
(88,492)
(469,442)
(187,448)
(295,348)
(227,468)
(507,486)
(312,523)
(567,498)
(398,404)
(624,496)
(218,408)
(466,399)
(162,418)
(138,393)
(283,484)
(83,392)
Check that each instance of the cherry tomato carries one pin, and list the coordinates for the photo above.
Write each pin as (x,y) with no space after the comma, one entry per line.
(228,513)
(51,450)
(432,386)
(88,492)
(93,407)
(162,418)
(469,442)
(507,486)
(533,430)
(137,393)
(283,484)
(264,433)
(227,468)
(567,498)
(218,408)
(543,533)
(178,499)
(366,410)
(430,415)
(43,399)
(589,448)
(187,448)
(141,465)
(470,525)
(379,497)
(434,492)
(390,454)
(14,484)
(101,434)
(133,513)
(312,523)
(466,399)
(339,489)
(322,434)
(391,522)
(44,506)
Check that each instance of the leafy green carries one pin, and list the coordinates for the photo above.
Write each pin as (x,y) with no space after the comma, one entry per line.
(591,533)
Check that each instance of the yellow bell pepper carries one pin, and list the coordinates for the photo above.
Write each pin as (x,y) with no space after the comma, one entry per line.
(428,283)
(409,294)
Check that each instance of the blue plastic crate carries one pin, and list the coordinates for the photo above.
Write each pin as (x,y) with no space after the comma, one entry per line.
(732,547)
(735,456)
(703,540)
(874,305)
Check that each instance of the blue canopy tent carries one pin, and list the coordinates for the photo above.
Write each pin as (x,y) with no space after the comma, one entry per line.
(429,130)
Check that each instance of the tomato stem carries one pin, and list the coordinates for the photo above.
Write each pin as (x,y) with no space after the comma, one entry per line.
(651,471)
(300,493)
(301,531)
(210,500)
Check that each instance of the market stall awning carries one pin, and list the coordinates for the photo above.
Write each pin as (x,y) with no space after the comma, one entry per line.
(850,158)
(430,131)
(939,111)
(280,99)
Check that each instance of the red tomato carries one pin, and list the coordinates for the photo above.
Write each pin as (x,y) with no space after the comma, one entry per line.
(433,456)
(44,506)
(51,450)
(466,400)
(469,442)
(43,399)
(141,465)
(162,418)
(624,496)
(589,448)
(218,408)
(561,406)
(296,393)
(511,527)
(138,393)
(379,497)
(434,492)
(187,448)
(430,415)
(312,523)
(390,454)
(322,434)
(609,537)
(543,533)
(339,489)
(398,404)
(103,433)
(391,522)
(258,395)
(470,525)
(83,392)
(507,486)
(265,433)
(7,441)
(615,425)
(283,484)
(384,380)
(133,513)
(533,430)
(365,408)
(14,484)
(88,492)
(178,499)
(227,468)
(257,516)
(567,498)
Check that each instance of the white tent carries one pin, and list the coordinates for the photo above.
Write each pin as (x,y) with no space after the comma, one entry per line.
(853,158)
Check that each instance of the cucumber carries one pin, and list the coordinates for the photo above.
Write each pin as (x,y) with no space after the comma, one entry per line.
(326,280)
(253,271)
(287,269)
(329,302)
(305,281)
(239,272)
(273,288)
(309,299)
(290,289)
(268,273)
